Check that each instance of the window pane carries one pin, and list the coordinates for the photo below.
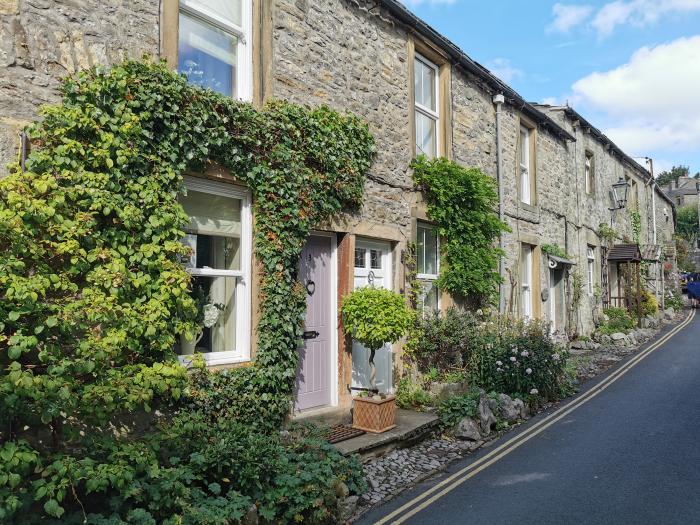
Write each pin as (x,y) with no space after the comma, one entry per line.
(360,257)
(427,251)
(429,297)
(425,135)
(424,85)
(524,147)
(229,10)
(207,55)
(215,297)
(375,259)
(214,230)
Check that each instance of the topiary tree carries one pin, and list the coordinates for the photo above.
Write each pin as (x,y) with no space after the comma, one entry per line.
(373,317)
(93,294)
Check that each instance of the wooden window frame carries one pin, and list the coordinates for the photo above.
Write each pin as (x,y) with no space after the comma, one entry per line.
(590,268)
(527,266)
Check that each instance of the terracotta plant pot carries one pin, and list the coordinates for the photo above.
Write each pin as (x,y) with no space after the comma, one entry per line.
(374,415)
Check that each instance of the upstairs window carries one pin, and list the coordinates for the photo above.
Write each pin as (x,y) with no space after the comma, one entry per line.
(589,173)
(427,117)
(214,45)
(428,267)
(524,146)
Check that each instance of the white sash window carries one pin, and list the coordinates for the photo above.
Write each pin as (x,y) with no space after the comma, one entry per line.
(219,234)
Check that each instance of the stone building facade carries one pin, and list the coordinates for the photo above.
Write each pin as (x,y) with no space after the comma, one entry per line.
(374,59)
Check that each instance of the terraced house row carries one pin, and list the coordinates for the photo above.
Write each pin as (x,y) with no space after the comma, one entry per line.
(419,93)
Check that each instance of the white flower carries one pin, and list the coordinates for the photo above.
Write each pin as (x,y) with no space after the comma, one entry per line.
(499,369)
(514,349)
(528,371)
(211,315)
(534,392)
(499,363)
(525,353)
(555,357)
(512,358)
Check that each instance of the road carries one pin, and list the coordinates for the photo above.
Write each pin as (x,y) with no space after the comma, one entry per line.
(625,450)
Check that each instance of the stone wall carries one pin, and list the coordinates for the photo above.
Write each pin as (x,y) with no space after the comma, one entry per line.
(42,41)
(351,56)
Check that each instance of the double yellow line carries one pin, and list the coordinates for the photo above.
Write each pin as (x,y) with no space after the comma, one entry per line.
(431,495)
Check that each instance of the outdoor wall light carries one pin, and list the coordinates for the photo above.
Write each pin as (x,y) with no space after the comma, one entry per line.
(620,193)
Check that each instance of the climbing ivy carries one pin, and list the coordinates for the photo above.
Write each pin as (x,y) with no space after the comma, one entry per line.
(636,223)
(93,294)
(462,201)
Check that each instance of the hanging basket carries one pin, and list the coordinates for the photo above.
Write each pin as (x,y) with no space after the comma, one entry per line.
(374,415)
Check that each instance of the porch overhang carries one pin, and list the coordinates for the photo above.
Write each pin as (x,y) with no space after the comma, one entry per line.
(559,262)
(628,253)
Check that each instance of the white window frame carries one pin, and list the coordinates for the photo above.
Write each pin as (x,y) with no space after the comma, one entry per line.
(526,279)
(524,163)
(241,352)
(429,277)
(426,111)
(243,33)
(589,173)
(590,258)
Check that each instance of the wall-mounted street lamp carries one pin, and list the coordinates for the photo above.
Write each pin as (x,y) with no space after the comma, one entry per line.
(619,190)
(619,195)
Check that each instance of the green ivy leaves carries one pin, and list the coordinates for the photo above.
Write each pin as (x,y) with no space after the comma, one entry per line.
(94,294)
(462,202)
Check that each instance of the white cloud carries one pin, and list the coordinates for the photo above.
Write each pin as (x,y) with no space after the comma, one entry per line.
(550,101)
(652,99)
(638,12)
(567,16)
(502,68)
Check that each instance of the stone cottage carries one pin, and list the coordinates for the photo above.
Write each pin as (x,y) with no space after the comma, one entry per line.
(418,92)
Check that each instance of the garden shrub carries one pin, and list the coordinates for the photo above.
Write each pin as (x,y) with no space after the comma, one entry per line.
(453,410)
(410,394)
(518,358)
(94,297)
(649,305)
(674,301)
(619,320)
(442,341)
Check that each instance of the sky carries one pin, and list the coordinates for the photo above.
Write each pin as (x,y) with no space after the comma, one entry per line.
(630,67)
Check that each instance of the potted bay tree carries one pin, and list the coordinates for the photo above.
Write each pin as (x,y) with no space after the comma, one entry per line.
(374,317)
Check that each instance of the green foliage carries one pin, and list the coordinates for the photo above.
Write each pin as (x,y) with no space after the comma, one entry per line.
(374,316)
(675,173)
(411,394)
(619,320)
(607,233)
(442,341)
(636,223)
(556,250)
(687,223)
(649,303)
(94,297)
(674,301)
(518,358)
(453,410)
(462,201)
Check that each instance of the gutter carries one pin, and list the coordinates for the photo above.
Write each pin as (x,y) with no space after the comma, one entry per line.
(498,100)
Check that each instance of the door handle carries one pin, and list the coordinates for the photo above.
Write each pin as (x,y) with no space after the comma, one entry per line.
(311,334)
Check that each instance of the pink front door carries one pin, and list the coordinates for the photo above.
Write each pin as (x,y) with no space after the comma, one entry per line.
(315,359)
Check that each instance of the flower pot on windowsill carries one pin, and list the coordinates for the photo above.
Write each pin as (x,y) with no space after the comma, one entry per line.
(374,414)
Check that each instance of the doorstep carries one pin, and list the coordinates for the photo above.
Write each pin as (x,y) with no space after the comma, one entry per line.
(411,427)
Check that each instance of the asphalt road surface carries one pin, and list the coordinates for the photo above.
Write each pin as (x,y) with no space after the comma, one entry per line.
(625,450)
